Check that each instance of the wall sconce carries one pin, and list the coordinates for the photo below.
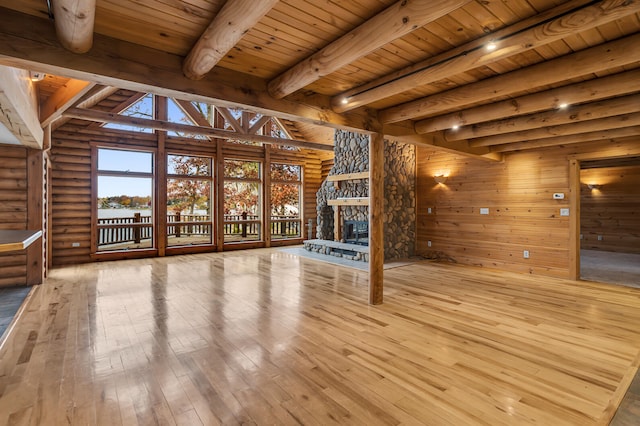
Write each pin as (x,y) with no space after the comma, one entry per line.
(36,76)
(593,186)
(440,179)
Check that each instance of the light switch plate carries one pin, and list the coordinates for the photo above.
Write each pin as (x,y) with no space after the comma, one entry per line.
(484,210)
(564,212)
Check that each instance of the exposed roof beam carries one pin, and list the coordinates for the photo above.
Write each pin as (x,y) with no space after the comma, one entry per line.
(570,114)
(74,21)
(26,43)
(18,107)
(193,113)
(400,133)
(108,117)
(95,95)
(233,122)
(258,124)
(227,28)
(390,24)
(63,98)
(592,90)
(604,135)
(617,122)
(526,35)
(620,52)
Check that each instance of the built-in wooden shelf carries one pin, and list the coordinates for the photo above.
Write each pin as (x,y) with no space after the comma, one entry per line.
(348,176)
(11,240)
(354,201)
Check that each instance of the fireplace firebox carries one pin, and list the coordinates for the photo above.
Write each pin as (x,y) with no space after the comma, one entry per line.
(356,232)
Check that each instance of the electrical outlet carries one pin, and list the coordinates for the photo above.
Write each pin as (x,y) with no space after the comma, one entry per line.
(75,244)
(429,243)
(484,210)
(564,212)
(599,237)
(525,254)
(429,211)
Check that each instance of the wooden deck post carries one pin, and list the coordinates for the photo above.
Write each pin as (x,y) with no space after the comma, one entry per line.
(376,217)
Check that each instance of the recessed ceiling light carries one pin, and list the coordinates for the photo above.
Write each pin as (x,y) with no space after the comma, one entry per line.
(344,101)
(491,46)
(563,105)
(455,127)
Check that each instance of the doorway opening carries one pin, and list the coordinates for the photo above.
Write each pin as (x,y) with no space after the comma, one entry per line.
(609,223)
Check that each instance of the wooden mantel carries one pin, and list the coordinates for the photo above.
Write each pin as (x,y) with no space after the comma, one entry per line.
(11,240)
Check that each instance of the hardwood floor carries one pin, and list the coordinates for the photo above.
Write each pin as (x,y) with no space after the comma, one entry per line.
(265,337)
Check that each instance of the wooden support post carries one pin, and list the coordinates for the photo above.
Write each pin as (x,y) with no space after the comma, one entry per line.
(337,223)
(266,190)
(376,217)
(574,219)
(35,176)
(162,231)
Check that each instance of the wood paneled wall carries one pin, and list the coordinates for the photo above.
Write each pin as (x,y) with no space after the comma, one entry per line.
(522,212)
(611,211)
(71,180)
(13,211)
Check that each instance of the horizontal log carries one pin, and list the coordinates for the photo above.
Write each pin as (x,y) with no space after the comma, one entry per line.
(592,60)
(610,123)
(348,176)
(592,90)
(571,114)
(107,117)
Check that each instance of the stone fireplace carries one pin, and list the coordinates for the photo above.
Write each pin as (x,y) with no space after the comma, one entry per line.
(352,160)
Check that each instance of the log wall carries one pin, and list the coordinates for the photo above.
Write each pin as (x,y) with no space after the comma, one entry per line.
(612,211)
(71,179)
(13,211)
(518,194)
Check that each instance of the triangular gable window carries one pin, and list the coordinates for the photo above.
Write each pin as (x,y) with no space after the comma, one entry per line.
(142,108)
(177,115)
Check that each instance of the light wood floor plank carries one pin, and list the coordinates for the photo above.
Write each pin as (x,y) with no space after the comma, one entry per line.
(265,337)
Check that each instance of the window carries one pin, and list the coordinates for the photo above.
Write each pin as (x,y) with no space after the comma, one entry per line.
(286,189)
(142,108)
(242,201)
(125,200)
(189,213)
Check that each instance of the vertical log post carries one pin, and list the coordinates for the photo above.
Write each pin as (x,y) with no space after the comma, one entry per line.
(35,176)
(161,229)
(574,219)
(376,217)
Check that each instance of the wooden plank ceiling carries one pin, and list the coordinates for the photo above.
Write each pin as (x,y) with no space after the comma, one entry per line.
(479,77)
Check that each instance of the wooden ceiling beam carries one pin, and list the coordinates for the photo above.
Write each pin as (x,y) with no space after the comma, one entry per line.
(616,122)
(74,21)
(18,107)
(570,114)
(592,90)
(529,34)
(193,113)
(225,30)
(392,23)
(233,122)
(96,94)
(66,96)
(258,124)
(109,117)
(599,58)
(400,133)
(603,135)
(26,43)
